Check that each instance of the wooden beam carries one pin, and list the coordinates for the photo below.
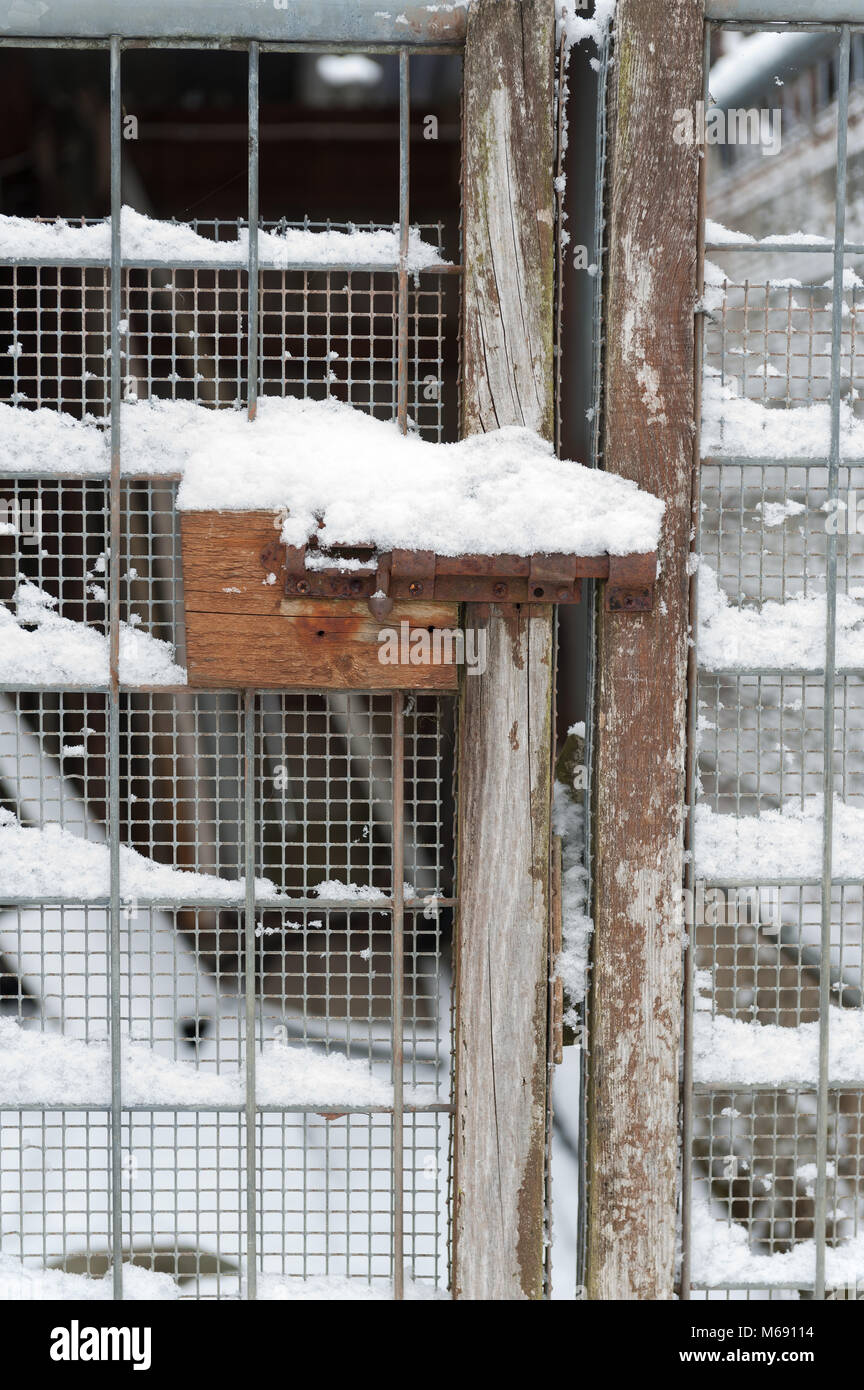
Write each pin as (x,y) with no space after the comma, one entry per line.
(642,661)
(505,720)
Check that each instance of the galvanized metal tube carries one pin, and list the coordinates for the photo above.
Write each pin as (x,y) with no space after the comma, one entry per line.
(327,22)
(692,721)
(819,1225)
(115,1022)
(254,217)
(249,1035)
(404,231)
(398,991)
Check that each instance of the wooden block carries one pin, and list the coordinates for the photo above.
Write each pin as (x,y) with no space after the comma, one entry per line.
(314,644)
(228,558)
(242,631)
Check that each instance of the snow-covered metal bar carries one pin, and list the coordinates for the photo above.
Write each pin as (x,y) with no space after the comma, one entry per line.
(115,1022)
(783,11)
(829,733)
(359,22)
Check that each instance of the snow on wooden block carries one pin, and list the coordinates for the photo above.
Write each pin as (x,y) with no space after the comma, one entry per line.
(351,480)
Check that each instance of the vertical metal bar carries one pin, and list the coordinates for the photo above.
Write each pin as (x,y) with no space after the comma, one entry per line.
(601,139)
(398,994)
(830,667)
(404,227)
(692,713)
(116,115)
(252,288)
(249,975)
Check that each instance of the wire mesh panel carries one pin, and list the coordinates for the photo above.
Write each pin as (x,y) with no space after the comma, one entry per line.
(773,1075)
(225,1023)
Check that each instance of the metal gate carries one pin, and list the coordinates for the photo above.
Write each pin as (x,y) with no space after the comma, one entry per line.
(773,1102)
(311,834)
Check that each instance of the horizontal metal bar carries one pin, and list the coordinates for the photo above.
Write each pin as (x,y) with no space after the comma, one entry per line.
(707,1088)
(784,11)
(432,1108)
(786,247)
(305,21)
(743,1288)
(803,881)
(223,45)
(236,263)
(746,461)
(793,671)
(288,904)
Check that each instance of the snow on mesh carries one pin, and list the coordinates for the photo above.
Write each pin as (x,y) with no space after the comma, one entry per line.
(735,1052)
(780,843)
(733,424)
(50,1069)
(50,862)
(721,1254)
(568,818)
(497,493)
(58,651)
(147,239)
(787,636)
(719,235)
(21,1282)
(335,1288)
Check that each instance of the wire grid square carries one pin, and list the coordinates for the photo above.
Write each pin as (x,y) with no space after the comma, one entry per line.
(54,1188)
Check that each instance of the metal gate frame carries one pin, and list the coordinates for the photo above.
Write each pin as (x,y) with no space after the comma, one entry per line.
(505,863)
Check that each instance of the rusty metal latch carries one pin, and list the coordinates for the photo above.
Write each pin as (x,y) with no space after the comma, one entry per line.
(358,572)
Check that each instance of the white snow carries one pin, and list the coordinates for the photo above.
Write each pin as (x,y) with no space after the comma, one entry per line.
(777,844)
(145,238)
(333,1288)
(502,492)
(733,1052)
(734,424)
(721,1255)
(497,493)
(49,862)
(21,1282)
(337,891)
(568,817)
(58,651)
(348,69)
(718,235)
(787,636)
(574,26)
(775,513)
(48,1068)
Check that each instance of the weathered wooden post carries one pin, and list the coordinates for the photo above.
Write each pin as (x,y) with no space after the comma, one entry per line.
(505,718)
(642,661)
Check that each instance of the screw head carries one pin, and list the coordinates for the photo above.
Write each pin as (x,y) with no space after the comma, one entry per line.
(499,589)
(415,587)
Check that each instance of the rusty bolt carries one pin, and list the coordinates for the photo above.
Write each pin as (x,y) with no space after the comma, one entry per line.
(302,586)
(415,587)
(563,594)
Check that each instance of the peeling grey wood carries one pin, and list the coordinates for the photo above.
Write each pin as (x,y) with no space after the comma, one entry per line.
(641,695)
(505,723)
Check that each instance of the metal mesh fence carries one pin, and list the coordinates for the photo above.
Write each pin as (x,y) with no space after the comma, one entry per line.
(773,1146)
(322,822)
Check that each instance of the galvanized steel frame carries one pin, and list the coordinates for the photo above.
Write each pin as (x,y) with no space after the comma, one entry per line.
(836,16)
(259,28)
